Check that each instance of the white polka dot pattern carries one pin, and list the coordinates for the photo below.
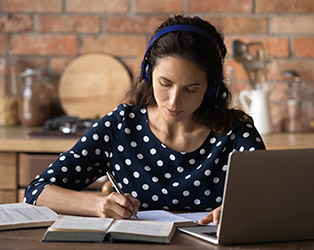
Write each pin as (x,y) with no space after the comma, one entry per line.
(145,167)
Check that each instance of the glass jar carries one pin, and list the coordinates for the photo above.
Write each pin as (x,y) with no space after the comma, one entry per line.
(8,92)
(34,100)
(294,119)
(309,107)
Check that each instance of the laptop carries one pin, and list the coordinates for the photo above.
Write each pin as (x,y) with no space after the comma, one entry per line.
(268,197)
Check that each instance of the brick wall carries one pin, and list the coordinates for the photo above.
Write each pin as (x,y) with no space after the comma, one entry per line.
(53,32)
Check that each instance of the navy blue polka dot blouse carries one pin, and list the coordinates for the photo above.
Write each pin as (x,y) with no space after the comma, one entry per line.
(158,176)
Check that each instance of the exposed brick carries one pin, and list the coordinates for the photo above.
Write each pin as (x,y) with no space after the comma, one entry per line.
(58,64)
(4,44)
(68,23)
(240,25)
(287,6)
(304,67)
(98,6)
(292,24)
(44,44)
(133,65)
(115,45)
(239,73)
(13,23)
(32,5)
(304,47)
(139,24)
(31,62)
(214,6)
(275,47)
(157,6)
(275,67)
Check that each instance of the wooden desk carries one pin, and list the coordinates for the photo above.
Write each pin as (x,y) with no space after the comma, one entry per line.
(30,239)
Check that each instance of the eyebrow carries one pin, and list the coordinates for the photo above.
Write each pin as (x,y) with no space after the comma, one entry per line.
(189,85)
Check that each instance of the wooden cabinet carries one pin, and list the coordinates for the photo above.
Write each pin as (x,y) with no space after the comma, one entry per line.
(18,154)
(22,158)
(8,175)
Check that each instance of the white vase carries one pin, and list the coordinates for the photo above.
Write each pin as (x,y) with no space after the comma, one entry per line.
(255,103)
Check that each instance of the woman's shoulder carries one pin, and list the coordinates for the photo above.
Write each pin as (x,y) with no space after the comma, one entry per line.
(122,114)
(245,132)
(244,124)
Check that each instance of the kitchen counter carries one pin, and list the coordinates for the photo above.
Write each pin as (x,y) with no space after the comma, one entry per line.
(22,157)
(289,140)
(14,139)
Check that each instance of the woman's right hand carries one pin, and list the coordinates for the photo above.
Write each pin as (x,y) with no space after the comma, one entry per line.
(118,206)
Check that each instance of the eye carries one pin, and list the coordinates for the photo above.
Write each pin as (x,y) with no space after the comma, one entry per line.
(191,89)
(164,84)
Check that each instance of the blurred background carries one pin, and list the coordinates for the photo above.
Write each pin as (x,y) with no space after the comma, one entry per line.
(51,33)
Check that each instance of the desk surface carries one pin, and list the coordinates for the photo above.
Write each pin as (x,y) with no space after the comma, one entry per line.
(30,239)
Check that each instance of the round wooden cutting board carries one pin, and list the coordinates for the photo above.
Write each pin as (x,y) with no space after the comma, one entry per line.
(92,85)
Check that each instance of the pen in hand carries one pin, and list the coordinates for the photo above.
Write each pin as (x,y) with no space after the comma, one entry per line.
(118,189)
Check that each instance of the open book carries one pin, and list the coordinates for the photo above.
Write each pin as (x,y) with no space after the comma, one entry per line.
(152,226)
(78,228)
(22,215)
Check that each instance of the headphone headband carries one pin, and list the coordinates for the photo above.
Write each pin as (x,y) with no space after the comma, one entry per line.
(145,71)
(183,27)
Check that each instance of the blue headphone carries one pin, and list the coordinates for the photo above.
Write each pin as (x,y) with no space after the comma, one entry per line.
(145,68)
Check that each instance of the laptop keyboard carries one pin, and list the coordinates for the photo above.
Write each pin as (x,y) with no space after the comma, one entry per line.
(212,234)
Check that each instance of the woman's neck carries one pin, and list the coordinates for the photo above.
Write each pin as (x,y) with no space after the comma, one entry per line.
(183,136)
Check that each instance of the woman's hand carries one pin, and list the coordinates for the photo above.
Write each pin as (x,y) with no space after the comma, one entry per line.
(213,216)
(118,206)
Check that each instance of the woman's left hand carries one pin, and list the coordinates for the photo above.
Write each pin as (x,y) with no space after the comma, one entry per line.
(213,216)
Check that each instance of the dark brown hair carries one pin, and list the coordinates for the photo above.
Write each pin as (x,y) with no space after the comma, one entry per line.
(214,111)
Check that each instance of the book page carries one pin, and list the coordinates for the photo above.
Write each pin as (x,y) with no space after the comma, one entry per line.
(22,213)
(151,228)
(161,215)
(79,223)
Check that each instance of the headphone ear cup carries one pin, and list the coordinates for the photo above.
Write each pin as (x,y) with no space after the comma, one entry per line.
(213,89)
(147,73)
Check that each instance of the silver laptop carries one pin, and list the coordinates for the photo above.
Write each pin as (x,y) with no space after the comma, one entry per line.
(268,197)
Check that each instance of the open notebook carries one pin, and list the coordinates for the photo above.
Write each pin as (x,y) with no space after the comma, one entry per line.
(268,197)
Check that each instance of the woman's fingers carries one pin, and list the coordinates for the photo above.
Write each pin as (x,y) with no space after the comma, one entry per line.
(135,202)
(207,219)
(213,216)
(119,206)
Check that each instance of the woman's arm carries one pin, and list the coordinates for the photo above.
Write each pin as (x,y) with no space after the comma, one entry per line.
(66,201)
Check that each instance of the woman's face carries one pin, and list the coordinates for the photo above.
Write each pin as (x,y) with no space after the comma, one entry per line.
(179,88)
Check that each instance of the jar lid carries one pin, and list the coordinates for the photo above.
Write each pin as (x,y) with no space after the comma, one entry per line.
(30,72)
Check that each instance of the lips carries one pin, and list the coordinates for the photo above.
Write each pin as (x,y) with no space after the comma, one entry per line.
(173,112)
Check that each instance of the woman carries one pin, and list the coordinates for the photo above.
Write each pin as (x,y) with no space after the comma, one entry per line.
(168,148)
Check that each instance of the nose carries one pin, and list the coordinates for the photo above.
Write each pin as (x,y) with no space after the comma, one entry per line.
(174,98)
